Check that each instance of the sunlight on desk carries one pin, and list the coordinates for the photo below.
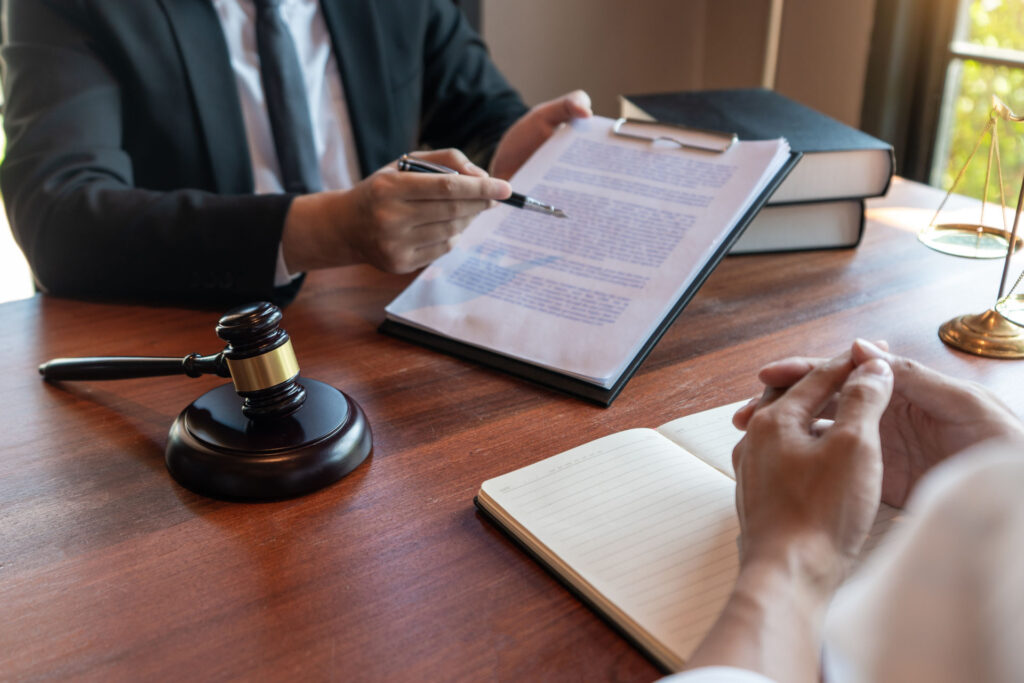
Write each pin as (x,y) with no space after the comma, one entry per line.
(15,276)
(914,218)
(901,218)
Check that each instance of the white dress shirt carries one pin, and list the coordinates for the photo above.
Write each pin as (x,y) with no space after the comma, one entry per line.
(332,129)
(942,599)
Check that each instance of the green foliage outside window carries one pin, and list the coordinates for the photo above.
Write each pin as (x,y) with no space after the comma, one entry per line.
(996,24)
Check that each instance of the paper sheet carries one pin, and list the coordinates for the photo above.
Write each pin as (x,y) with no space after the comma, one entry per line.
(581,295)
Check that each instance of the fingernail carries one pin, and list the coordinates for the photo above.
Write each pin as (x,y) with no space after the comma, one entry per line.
(869,348)
(877,366)
(752,402)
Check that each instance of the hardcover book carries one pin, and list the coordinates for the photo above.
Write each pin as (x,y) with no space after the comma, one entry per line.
(799,227)
(839,162)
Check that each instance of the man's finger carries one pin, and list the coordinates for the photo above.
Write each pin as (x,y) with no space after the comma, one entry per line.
(573,105)
(442,186)
(805,399)
(926,388)
(788,371)
(742,416)
(422,212)
(865,395)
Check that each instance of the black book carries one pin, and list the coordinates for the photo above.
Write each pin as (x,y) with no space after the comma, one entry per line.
(839,162)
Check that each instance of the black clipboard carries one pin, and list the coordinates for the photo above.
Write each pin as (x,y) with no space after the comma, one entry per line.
(571,385)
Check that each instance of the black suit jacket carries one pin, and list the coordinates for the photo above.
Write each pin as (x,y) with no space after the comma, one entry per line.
(127,173)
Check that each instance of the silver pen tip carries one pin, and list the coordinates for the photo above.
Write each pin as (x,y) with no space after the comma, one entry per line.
(558,213)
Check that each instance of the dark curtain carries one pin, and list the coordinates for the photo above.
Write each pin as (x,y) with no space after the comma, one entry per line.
(905,77)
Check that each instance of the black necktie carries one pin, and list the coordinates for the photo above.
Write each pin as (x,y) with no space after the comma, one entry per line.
(285,91)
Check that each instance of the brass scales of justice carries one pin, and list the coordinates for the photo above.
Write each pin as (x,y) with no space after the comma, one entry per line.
(997,332)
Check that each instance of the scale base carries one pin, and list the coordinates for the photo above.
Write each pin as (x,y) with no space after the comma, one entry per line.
(216,451)
(986,334)
(1012,307)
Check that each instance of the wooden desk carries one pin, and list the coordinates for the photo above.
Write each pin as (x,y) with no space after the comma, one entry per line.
(109,569)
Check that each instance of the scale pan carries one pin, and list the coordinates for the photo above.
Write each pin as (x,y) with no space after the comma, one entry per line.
(968,240)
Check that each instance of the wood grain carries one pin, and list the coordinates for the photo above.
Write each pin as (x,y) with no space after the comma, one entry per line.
(110,570)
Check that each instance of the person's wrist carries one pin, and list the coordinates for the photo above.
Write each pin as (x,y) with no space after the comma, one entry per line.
(807,562)
(310,238)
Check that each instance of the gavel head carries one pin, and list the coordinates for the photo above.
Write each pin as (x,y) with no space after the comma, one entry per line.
(262,363)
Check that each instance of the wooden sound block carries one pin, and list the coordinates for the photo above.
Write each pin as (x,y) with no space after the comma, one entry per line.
(214,450)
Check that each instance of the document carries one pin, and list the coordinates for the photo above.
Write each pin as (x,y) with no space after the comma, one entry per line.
(641,524)
(581,295)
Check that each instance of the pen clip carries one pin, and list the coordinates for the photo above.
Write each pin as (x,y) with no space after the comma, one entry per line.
(411,163)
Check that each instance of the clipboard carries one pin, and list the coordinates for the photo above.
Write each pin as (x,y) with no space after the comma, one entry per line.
(572,386)
(685,137)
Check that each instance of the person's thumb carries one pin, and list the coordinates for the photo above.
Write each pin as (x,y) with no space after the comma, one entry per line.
(865,395)
(565,108)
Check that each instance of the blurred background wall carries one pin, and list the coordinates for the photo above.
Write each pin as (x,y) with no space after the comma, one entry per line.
(611,47)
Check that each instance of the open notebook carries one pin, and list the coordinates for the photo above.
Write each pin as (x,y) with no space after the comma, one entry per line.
(641,524)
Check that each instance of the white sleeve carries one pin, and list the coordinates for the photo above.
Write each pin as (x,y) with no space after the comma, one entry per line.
(281,275)
(942,598)
(717,674)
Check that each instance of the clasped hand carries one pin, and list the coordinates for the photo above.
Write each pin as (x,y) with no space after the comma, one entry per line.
(807,495)
(798,481)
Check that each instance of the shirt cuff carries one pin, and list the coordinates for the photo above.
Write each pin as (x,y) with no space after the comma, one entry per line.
(281,275)
(717,674)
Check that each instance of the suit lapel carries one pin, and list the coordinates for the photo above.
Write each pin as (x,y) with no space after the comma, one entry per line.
(204,53)
(355,34)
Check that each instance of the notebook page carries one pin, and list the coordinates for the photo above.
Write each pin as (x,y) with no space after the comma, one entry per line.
(647,528)
(711,437)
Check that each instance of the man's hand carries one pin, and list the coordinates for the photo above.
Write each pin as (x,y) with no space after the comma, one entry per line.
(534,128)
(931,416)
(807,497)
(397,222)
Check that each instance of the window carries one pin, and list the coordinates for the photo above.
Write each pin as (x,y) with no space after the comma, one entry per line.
(985,58)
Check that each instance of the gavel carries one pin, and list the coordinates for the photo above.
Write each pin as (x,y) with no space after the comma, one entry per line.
(269,434)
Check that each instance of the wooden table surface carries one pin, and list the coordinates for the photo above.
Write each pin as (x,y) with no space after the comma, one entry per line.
(109,569)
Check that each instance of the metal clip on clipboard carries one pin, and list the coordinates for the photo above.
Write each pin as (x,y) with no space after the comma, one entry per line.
(688,138)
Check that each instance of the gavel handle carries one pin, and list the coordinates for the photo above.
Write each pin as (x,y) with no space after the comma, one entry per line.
(130,367)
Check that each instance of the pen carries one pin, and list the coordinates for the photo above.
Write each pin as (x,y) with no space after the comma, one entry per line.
(520,201)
